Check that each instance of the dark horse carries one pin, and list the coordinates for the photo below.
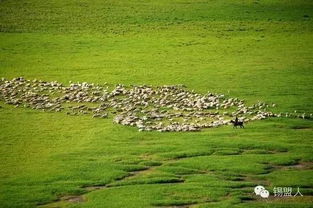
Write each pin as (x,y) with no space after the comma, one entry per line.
(237,123)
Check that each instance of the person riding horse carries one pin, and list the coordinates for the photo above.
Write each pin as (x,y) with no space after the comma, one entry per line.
(237,123)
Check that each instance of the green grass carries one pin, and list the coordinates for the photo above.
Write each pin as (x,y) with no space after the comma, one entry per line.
(254,50)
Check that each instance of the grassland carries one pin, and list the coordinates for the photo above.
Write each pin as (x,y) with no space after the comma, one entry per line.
(254,50)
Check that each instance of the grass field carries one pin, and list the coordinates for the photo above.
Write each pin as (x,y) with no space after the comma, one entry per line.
(254,50)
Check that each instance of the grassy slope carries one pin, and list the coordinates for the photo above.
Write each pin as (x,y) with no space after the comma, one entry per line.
(256,50)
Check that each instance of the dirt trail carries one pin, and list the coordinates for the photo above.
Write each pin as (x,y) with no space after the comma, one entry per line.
(81,198)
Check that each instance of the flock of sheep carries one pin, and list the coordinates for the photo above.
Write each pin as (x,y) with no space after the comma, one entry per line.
(164,108)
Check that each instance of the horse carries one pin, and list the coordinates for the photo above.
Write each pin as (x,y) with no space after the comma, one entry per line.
(237,123)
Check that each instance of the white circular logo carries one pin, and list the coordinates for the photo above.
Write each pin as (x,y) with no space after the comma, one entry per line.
(258,189)
(264,193)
